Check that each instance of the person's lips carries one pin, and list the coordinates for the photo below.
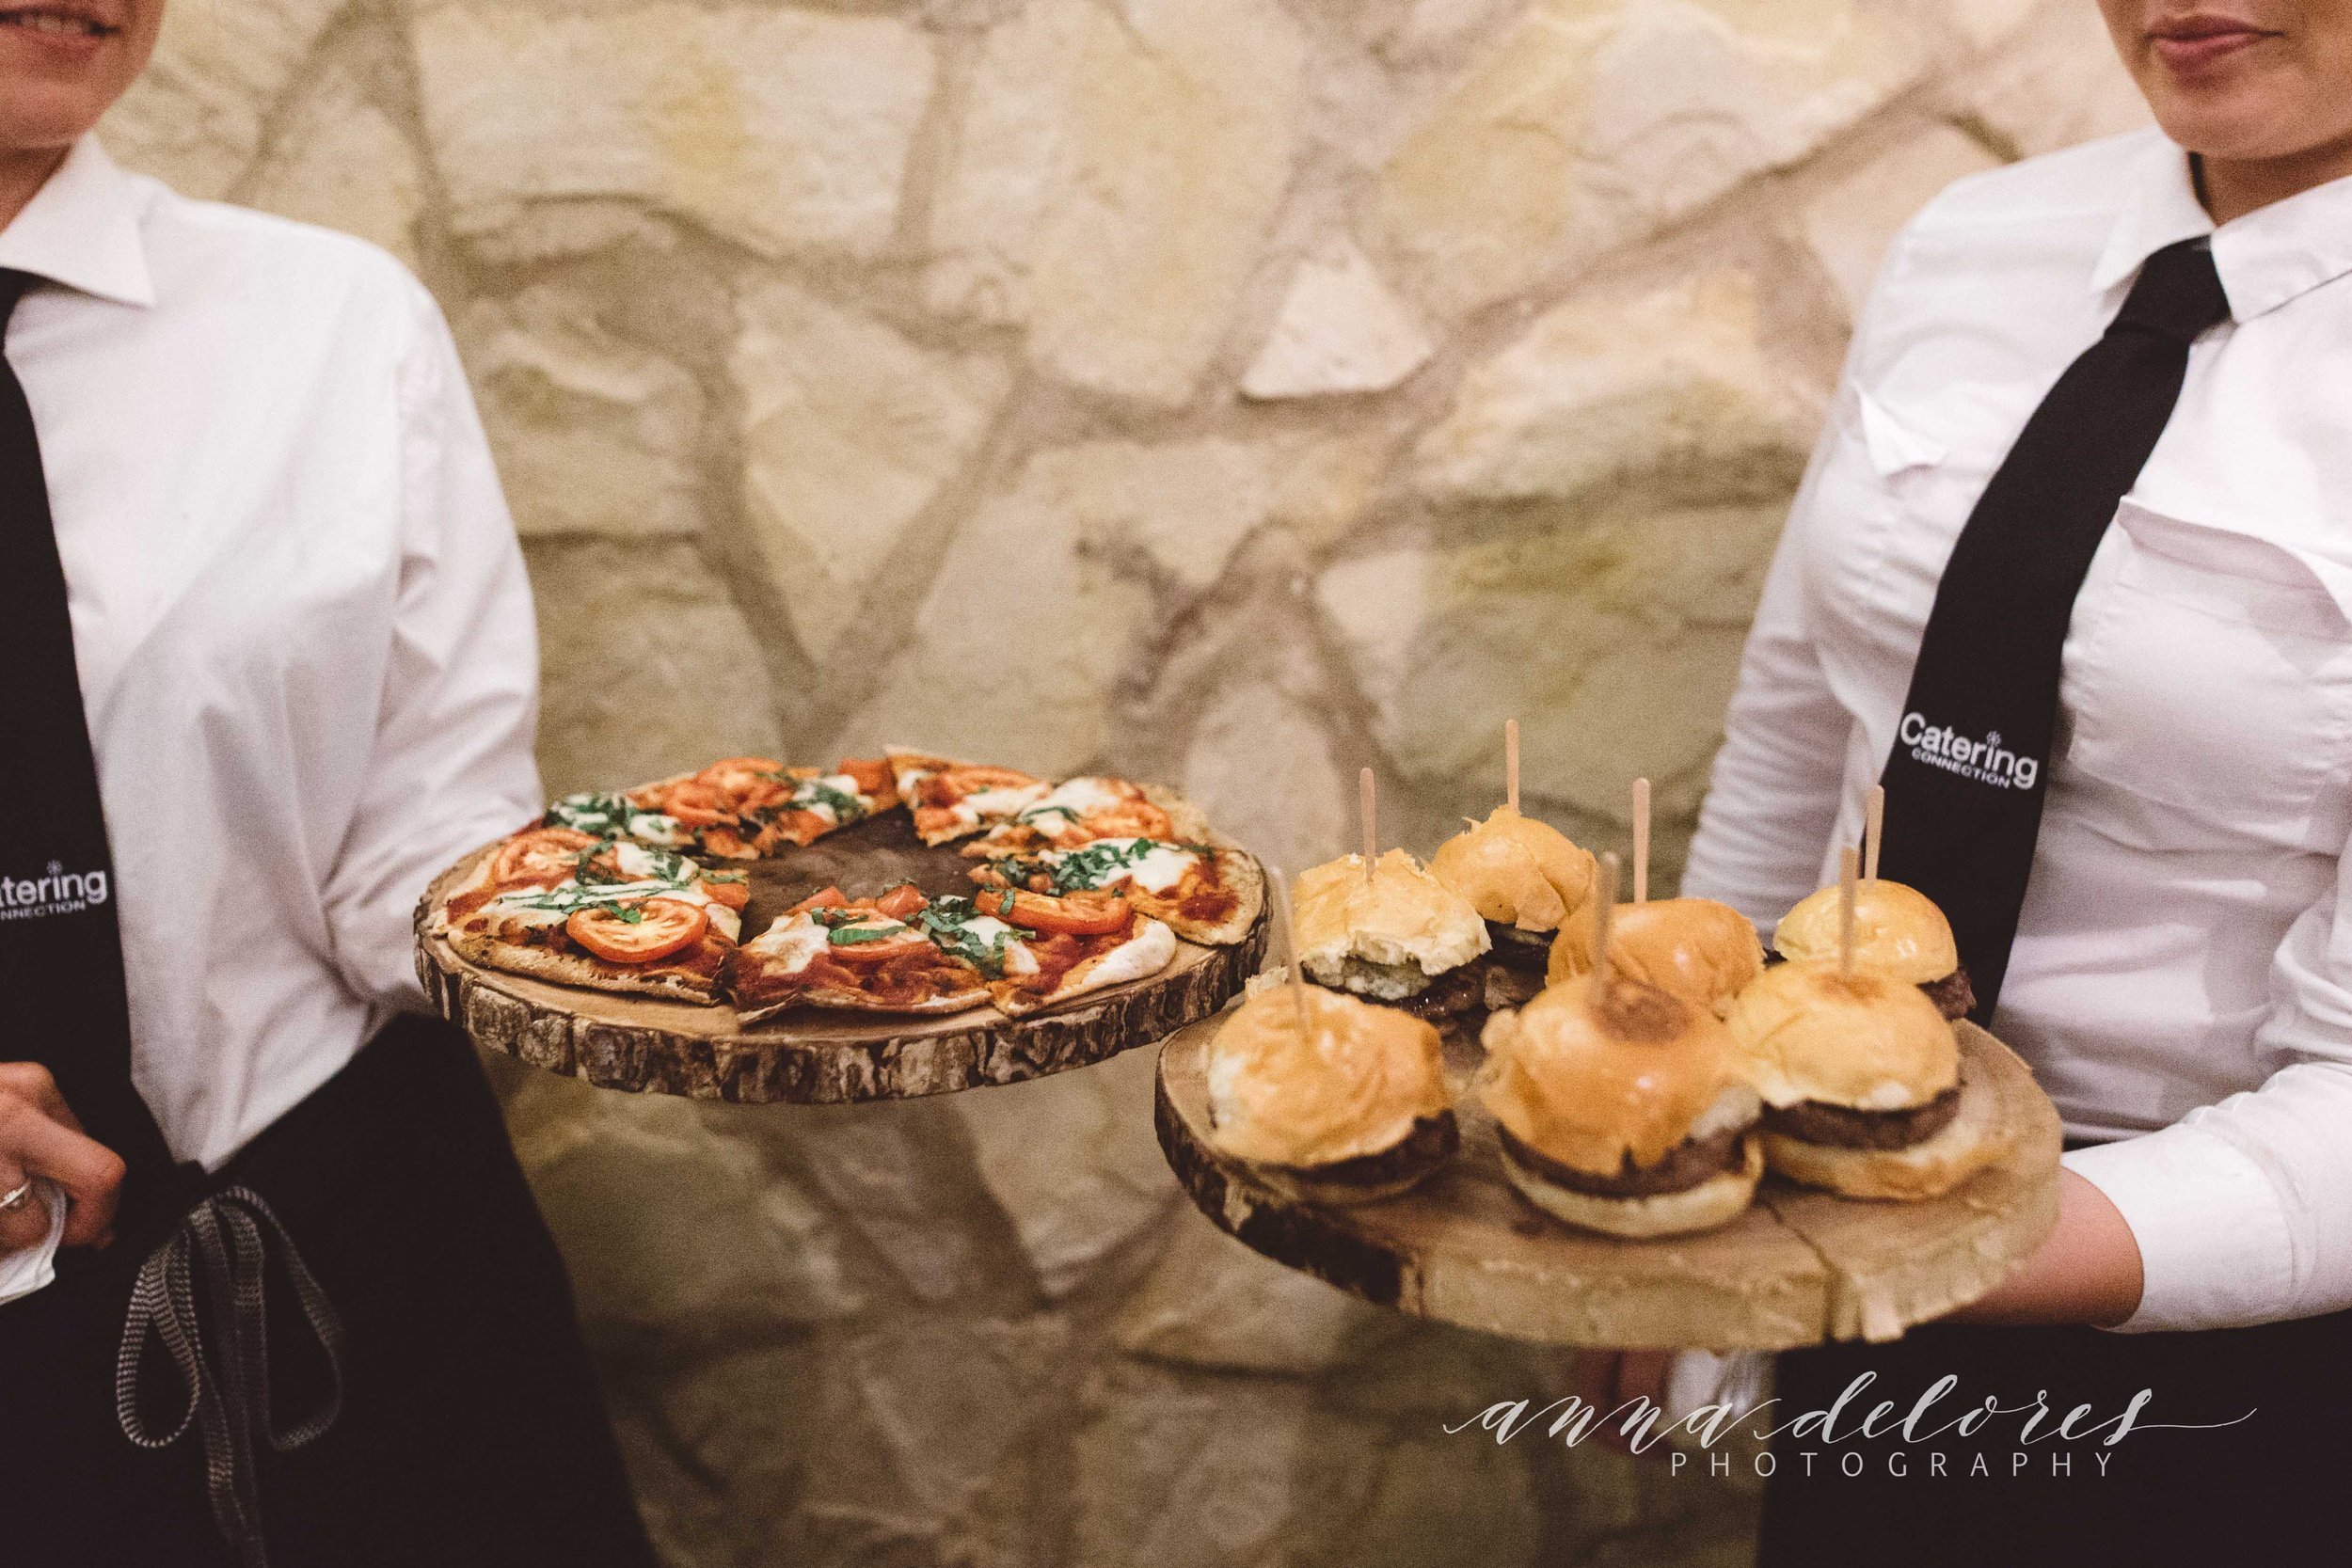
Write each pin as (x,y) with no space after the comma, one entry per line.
(2198,42)
(62,26)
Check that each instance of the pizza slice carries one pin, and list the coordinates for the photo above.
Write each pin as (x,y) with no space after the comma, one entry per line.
(1040,951)
(1084,810)
(829,951)
(1203,894)
(554,903)
(950,799)
(808,803)
(706,812)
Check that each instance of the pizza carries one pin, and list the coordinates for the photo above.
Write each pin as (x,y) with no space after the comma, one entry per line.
(812,803)
(829,951)
(1079,884)
(1203,894)
(1039,950)
(738,808)
(609,914)
(1080,811)
(952,799)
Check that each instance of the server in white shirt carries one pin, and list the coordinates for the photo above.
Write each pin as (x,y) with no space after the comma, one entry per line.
(2084,505)
(270,661)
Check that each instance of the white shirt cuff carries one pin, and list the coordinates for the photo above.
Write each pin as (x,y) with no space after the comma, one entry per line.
(2216,1249)
(28,1269)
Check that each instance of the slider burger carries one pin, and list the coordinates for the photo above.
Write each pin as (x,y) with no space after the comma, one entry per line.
(1398,936)
(1622,1108)
(1864,1091)
(1349,1106)
(1898,931)
(1525,878)
(1701,951)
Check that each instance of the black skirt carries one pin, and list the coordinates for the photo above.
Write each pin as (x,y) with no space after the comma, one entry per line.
(2237,1454)
(470,1431)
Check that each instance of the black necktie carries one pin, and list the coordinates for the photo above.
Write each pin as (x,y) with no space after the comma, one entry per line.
(1971,762)
(61,992)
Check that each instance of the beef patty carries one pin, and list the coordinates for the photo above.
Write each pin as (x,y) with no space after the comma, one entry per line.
(1953,996)
(1679,1169)
(1530,951)
(1843,1127)
(1432,1139)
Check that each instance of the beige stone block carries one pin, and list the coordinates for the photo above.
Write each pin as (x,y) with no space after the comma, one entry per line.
(1175,1470)
(593,435)
(1673,384)
(1093,537)
(2056,84)
(196,119)
(1260,766)
(1114,180)
(1851,222)
(340,162)
(721,1249)
(1339,330)
(782,130)
(1072,1162)
(1591,122)
(1614,643)
(1210,1302)
(849,432)
(647,666)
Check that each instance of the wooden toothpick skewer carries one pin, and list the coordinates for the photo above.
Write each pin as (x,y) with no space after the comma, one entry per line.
(1365,802)
(1511,764)
(1604,918)
(1296,983)
(1874,831)
(1641,841)
(1846,875)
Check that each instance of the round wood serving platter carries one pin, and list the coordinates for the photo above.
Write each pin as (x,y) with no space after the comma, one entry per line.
(810,1057)
(1798,1268)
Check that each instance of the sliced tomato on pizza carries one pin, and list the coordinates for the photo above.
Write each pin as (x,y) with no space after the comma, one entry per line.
(625,917)
(1040,951)
(1204,893)
(950,799)
(809,803)
(829,951)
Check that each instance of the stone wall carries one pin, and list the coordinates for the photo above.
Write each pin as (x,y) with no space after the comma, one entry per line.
(1244,390)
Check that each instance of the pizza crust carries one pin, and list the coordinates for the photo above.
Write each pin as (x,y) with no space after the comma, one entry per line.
(1241,874)
(1150,949)
(572,969)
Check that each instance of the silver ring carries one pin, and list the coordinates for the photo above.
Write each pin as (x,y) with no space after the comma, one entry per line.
(16,1198)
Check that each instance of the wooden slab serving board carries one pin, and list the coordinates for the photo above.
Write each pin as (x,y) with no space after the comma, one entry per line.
(809,1056)
(1798,1268)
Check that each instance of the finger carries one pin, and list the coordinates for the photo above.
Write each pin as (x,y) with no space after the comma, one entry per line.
(1641,1374)
(31,1081)
(25,1227)
(91,1173)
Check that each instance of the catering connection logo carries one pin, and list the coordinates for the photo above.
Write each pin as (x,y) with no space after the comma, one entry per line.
(57,891)
(1986,760)
(1940,1434)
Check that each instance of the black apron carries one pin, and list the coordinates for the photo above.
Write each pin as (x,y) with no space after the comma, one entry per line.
(469,1432)
(2264,1489)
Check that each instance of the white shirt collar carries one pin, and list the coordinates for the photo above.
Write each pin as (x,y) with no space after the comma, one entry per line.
(2268,257)
(82,229)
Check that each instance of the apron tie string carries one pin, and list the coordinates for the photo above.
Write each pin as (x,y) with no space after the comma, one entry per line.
(230,1235)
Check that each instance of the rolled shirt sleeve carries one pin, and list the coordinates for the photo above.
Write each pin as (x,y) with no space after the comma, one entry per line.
(2243,1210)
(451,764)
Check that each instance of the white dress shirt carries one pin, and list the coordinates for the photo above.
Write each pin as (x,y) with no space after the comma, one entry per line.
(2182,979)
(305,639)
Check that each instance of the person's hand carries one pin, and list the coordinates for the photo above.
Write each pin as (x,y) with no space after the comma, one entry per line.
(39,1136)
(1607,1379)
